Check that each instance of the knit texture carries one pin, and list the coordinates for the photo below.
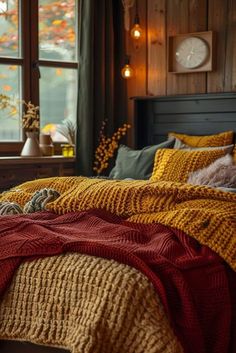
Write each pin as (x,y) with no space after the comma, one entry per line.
(176,165)
(9,208)
(37,203)
(85,304)
(39,200)
(208,215)
(23,193)
(177,265)
(221,139)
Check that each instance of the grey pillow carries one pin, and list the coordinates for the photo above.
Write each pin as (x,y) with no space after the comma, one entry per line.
(136,164)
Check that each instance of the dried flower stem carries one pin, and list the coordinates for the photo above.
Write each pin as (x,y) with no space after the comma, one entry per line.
(30,121)
(107,147)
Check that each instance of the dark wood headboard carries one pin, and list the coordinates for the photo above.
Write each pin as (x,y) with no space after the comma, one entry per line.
(202,114)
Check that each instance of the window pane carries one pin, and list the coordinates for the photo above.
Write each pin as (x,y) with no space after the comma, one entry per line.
(57,30)
(58,98)
(9,33)
(10,127)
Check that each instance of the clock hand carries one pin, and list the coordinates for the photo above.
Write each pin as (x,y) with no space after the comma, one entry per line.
(190,55)
(192,50)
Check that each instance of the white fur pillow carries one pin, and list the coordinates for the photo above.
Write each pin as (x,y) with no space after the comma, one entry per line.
(221,173)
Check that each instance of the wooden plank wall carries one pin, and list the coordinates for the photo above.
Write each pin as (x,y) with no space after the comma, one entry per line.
(161,18)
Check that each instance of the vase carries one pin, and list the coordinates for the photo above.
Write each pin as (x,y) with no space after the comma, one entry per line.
(46,145)
(31,147)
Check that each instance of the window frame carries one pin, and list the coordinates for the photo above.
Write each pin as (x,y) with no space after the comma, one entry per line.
(30,64)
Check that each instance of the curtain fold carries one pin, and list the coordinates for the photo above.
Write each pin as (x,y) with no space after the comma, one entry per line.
(102,91)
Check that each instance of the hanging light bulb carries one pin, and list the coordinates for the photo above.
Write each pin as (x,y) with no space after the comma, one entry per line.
(136,31)
(127,71)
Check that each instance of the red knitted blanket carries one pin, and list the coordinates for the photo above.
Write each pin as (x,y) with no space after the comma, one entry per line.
(196,287)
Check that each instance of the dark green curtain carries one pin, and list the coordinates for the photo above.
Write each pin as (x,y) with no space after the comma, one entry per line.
(102,91)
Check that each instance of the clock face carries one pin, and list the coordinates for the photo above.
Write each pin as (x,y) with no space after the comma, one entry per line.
(192,52)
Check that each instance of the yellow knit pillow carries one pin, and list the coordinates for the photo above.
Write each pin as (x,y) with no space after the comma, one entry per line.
(221,139)
(175,165)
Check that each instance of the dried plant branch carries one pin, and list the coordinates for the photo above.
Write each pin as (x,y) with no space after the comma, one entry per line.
(68,130)
(107,146)
(30,120)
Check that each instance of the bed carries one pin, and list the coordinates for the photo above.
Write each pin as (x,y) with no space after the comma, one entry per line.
(110,296)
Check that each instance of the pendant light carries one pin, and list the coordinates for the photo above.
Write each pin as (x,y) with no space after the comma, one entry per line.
(127,71)
(136,31)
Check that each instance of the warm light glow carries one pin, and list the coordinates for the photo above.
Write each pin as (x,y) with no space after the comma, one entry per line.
(127,71)
(136,31)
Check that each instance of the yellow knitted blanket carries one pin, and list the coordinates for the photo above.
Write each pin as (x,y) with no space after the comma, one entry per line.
(85,304)
(208,215)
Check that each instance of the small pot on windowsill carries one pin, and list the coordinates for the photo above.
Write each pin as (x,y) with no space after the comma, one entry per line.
(68,150)
(31,146)
(46,145)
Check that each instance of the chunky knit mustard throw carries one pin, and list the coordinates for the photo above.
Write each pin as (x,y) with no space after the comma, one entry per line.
(208,215)
(91,305)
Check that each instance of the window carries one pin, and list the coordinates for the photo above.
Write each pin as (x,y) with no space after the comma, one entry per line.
(38,63)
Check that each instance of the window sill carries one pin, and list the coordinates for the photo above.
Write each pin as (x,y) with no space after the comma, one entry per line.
(14,148)
(13,160)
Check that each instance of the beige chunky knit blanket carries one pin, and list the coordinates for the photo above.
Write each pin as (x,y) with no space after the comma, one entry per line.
(87,305)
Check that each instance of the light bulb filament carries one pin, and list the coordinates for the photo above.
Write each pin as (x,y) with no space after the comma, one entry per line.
(136,31)
(127,71)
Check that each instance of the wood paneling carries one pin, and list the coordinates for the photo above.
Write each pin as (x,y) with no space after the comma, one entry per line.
(186,16)
(197,23)
(156,17)
(230,63)
(176,10)
(137,86)
(196,114)
(217,21)
(162,18)
(170,17)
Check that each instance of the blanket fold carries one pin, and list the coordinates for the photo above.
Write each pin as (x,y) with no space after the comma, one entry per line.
(208,215)
(177,265)
(178,235)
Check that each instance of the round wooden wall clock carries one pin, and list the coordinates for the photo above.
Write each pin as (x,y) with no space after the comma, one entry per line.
(192,52)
